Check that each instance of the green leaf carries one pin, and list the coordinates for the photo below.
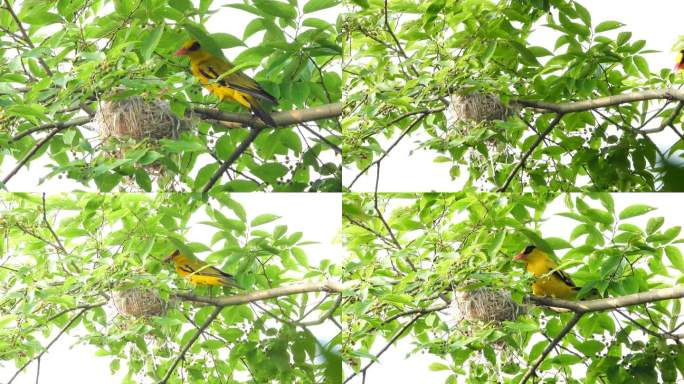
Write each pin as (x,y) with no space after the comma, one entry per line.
(300,256)
(276,8)
(317,5)
(635,210)
(263,219)
(270,172)
(654,223)
(151,41)
(439,367)
(675,255)
(607,26)
(143,180)
(226,40)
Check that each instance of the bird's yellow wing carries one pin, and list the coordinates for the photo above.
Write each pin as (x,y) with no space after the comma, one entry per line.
(199,272)
(213,68)
(223,80)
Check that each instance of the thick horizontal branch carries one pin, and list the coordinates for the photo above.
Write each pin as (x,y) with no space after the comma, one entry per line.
(250,297)
(603,102)
(283,119)
(611,302)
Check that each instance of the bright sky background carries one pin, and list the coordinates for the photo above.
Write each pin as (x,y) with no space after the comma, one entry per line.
(408,170)
(397,367)
(317,216)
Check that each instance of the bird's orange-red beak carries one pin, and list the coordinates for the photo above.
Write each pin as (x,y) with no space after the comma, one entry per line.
(181,52)
(520,256)
(679,67)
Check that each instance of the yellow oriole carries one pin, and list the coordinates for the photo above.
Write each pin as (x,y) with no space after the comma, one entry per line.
(199,272)
(549,281)
(235,86)
(679,61)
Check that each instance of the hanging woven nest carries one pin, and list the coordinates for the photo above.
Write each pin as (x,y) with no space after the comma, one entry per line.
(138,119)
(478,107)
(139,302)
(485,305)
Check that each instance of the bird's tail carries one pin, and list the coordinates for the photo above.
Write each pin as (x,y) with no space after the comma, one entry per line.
(229,281)
(258,110)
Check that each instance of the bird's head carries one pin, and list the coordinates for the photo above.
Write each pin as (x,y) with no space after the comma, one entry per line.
(189,48)
(172,256)
(679,62)
(525,254)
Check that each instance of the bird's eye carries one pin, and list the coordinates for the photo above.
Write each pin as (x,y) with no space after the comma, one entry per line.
(195,46)
(529,249)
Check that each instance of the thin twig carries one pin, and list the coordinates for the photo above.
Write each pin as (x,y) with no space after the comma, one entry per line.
(529,152)
(387,151)
(253,133)
(27,39)
(556,340)
(190,342)
(385,348)
(61,332)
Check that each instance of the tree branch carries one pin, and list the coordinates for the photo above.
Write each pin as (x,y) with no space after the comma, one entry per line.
(284,118)
(66,124)
(61,332)
(527,154)
(58,128)
(253,133)
(324,316)
(611,303)
(556,340)
(385,348)
(603,102)
(187,346)
(250,297)
(582,307)
(386,152)
(25,35)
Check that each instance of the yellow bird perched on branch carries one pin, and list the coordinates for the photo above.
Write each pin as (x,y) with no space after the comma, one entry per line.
(221,78)
(679,61)
(549,280)
(199,272)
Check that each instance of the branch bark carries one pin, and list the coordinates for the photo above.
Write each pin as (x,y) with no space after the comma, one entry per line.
(284,118)
(611,303)
(250,297)
(582,307)
(603,102)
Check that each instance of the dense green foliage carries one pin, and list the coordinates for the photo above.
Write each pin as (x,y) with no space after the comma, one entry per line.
(90,246)
(458,242)
(404,60)
(78,54)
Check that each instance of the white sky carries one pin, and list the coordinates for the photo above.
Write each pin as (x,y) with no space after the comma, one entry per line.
(315,215)
(395,367)
(406,170)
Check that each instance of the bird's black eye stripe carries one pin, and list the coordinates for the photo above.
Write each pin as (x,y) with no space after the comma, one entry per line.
(195,46)
(529,249)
